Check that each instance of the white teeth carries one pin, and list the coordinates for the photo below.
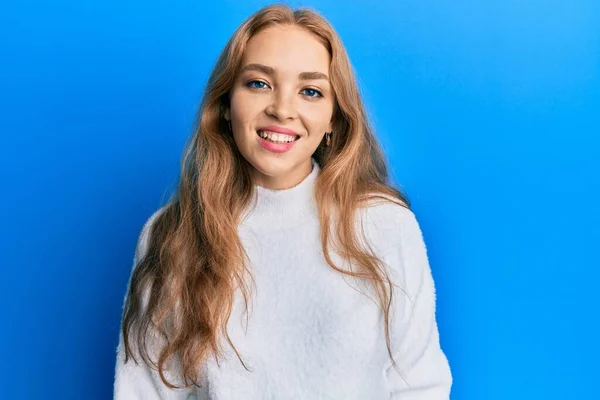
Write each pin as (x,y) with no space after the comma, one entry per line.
(276,137)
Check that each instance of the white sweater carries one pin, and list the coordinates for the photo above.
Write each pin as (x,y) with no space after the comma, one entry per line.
(311,334)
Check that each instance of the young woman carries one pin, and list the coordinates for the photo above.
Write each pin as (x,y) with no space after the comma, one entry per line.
(286,266)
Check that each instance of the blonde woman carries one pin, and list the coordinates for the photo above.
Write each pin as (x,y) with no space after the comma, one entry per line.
(286,266)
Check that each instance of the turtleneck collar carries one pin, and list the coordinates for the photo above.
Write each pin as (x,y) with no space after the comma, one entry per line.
(274,209)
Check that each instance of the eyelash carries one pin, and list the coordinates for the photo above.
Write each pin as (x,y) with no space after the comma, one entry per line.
(249,85)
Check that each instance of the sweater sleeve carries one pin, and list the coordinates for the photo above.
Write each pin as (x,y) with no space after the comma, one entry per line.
(425,371)
(138,381)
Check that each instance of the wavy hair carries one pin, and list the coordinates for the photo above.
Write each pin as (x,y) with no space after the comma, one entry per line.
(182,289)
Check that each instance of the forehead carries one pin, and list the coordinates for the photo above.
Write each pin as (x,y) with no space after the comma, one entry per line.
(288,49)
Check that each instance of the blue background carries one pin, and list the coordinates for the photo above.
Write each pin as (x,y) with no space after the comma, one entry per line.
(488,112)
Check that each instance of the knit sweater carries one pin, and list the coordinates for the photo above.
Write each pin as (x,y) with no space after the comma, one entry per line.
(313,333)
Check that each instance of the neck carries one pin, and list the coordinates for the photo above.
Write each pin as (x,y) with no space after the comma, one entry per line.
(285,181)
(273,209)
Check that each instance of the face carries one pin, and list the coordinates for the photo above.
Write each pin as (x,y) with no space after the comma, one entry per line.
(283,85)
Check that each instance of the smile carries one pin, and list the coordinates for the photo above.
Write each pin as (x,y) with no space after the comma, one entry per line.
(277,137)
(276,142)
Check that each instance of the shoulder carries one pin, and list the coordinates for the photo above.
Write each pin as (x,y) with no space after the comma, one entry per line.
(145,233)
(390,217)
(397,233)
(389,228)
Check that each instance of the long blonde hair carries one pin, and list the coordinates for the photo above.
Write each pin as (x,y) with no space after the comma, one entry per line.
(183,287)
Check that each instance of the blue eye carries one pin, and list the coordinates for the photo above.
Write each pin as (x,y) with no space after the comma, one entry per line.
(249,84)
(312,93)
(315,91)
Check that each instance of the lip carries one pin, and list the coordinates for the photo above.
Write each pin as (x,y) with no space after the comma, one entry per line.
(275,147)
(278,129)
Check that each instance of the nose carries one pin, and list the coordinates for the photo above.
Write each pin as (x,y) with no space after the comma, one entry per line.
(282,106)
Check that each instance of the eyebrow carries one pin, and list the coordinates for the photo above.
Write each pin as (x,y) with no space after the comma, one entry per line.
(271,71)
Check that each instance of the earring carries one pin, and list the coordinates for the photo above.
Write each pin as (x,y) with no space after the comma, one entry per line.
(328,138)
(229,122)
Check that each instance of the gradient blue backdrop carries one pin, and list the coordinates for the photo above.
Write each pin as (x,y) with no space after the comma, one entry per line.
(488,111)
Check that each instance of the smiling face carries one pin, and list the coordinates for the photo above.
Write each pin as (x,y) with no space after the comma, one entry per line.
(283,83)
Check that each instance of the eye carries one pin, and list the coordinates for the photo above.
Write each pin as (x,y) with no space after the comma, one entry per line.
(251,85)
(315,91)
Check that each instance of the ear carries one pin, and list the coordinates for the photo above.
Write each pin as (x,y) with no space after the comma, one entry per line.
(330,126)
(227,115)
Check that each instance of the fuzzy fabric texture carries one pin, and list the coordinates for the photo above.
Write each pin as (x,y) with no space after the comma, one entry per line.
(313,333)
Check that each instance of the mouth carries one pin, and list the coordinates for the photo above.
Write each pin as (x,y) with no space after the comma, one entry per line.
(278,138)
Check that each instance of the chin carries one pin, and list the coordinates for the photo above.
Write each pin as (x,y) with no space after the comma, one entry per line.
(273,167)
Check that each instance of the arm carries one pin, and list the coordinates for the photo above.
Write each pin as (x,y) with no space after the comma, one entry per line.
(133,382)
(425,372)
(139,382)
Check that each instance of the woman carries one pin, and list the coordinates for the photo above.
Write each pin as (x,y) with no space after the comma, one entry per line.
(286,266)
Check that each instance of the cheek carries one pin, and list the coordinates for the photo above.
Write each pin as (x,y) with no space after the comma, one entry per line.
(244,106)
(317,119)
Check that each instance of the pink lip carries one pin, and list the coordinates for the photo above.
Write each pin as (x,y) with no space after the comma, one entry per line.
(278,129)
(275,147)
